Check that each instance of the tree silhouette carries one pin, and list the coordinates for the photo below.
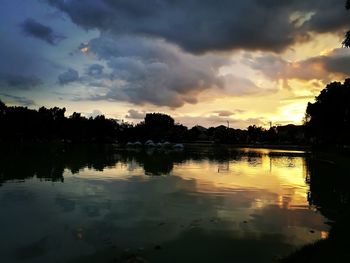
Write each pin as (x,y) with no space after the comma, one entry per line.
(2,105)
(23,124)
(346,42)
(159,120)
(328,119)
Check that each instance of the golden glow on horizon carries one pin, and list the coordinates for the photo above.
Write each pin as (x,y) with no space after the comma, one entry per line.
(293,112)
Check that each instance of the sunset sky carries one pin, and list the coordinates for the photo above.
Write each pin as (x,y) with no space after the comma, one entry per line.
(201,61)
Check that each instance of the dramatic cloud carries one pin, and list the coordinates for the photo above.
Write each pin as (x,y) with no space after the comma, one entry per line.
(323,67)
(205,25)
(136,115)
(163,52)
(141,70)
(32,28)
(69,76)
(328,16)
(151,71)
(337,61)
(19,82)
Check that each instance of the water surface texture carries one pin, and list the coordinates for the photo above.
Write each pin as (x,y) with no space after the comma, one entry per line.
(102,204)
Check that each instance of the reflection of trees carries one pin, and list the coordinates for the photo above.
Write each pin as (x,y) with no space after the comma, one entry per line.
(48,162)
(329,190)
(329,193)
(18,162)
(154,162)
(160,162)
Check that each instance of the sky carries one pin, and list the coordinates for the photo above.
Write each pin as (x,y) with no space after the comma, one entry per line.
(203,62)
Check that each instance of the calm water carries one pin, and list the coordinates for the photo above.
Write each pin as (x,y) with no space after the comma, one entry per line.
(100,204)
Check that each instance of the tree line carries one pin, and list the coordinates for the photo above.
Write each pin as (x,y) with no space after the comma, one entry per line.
(21,124)
(327,122)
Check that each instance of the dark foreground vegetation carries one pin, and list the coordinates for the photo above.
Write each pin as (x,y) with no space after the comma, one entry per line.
(327,123)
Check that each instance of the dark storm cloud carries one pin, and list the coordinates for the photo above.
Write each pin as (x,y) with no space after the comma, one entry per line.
(337,61)
(329,16)
(160,52)
(142,70)
(68,76)
(153,71)
(205,25)
(19,82)
(32,28)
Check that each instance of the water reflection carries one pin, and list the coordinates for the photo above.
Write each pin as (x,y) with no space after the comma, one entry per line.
(19,162)
(329,192)
(208,204)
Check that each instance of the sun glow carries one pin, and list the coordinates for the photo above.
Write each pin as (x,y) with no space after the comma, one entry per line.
(293,112)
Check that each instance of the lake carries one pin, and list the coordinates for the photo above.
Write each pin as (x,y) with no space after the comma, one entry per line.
(76,203)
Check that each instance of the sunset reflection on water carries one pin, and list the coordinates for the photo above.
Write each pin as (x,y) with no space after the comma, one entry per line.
(254,199)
